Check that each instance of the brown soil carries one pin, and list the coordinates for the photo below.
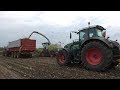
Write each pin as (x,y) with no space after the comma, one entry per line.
(47,68)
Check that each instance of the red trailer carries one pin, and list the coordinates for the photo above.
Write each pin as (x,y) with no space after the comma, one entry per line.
(21,48)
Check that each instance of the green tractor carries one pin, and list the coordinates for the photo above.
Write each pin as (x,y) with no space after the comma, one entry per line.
(92,50)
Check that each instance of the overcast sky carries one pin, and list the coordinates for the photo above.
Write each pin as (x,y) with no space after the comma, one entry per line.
(56,25)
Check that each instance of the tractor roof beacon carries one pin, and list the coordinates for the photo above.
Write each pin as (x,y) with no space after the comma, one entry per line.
(92,49)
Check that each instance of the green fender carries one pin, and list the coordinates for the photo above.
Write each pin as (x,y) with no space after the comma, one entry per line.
(105,41)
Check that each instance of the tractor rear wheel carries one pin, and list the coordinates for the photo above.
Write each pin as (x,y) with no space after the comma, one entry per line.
(63,58)
(96,56)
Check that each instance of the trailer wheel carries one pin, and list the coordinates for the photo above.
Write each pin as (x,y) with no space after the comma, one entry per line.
(20,55)
(17,56)
(96,56)
(30,55)
(12,54)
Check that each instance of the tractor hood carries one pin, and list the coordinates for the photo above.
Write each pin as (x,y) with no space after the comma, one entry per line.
(68,45)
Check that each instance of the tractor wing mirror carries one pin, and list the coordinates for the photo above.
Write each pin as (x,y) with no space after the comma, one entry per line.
(70,35)
(108,37)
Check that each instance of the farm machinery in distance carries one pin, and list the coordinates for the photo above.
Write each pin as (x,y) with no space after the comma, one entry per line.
(26,47)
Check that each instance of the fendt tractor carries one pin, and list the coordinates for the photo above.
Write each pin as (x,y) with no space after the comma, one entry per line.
(92,49)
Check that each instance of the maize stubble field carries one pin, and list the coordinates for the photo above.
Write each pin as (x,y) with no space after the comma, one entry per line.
(47,68)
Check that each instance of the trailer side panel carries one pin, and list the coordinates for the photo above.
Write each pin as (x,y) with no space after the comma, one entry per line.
(16,43)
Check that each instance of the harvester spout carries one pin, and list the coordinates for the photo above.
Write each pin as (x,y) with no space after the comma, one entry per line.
(41,35)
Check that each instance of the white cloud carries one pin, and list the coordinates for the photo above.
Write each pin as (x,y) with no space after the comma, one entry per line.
(62,18)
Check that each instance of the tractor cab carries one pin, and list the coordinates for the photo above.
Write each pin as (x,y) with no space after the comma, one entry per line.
(85,35)
(45,45)
(91,32)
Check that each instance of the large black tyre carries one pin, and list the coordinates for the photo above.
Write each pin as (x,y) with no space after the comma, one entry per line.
(115,52)
(21,55)
(96,56)
(63,58)
(15,55)
(18,55)
(30,55)
(12,55)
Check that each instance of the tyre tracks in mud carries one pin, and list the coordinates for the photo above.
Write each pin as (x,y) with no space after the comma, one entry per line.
(24,71)
(6,72)
(47,68)
(26,68)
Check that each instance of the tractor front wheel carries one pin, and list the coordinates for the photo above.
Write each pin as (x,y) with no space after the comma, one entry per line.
(63,58)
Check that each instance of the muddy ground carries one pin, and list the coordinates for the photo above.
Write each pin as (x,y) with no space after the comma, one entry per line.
(47,68)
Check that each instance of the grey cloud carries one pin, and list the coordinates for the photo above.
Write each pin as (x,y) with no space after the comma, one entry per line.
(15,28)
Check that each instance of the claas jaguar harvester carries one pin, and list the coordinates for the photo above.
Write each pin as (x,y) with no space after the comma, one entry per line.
(92,49)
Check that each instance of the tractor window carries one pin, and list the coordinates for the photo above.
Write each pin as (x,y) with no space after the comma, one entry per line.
(83,35)
(92,32)
(99,33)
